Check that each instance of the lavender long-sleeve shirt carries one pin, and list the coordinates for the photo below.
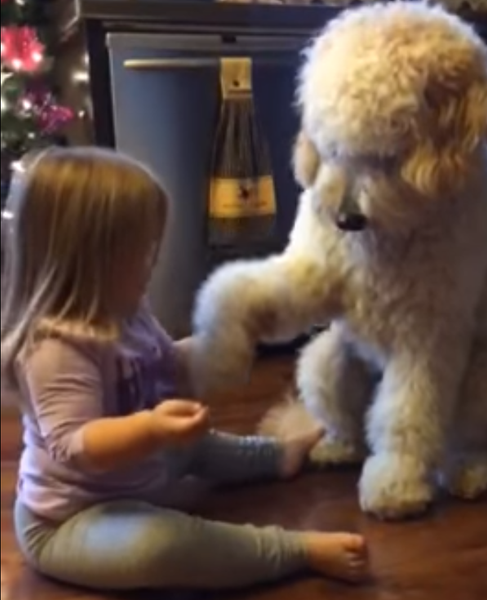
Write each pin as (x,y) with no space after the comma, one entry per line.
(65,384)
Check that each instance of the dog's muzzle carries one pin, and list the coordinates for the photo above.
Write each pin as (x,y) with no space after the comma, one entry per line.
(349,216)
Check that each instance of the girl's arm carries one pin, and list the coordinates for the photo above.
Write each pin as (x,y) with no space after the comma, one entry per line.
(65,392)
(177,352)
(111,443)
(118,441)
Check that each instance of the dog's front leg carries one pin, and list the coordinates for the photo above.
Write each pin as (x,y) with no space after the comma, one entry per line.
(245,302)
(407,426)
(466,472)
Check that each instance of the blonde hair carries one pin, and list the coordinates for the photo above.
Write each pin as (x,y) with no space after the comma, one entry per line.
(71,212)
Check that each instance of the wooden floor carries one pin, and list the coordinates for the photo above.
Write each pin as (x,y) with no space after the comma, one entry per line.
(440,557)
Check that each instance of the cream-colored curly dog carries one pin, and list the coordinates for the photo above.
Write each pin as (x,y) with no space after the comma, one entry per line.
(389,247)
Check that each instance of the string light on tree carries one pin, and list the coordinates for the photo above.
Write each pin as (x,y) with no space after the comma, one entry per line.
(5,76)
(31,114)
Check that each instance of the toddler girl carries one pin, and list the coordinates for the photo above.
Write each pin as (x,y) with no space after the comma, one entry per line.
(110,428)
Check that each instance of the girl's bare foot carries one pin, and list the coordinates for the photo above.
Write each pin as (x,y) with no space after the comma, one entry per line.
(296,450)
(339,555)
(297,432)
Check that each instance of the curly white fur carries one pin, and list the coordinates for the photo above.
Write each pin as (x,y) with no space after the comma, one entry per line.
(394,114)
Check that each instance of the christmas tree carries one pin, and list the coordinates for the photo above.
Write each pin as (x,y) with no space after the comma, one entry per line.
(31,115)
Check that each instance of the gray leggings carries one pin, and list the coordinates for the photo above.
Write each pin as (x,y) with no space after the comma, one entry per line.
(130,544)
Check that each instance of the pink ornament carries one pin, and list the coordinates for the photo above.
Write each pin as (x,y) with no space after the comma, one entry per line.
(53,117)
(50,116)
(21,49)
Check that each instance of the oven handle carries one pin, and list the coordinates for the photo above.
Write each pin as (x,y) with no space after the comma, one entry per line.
(151,64)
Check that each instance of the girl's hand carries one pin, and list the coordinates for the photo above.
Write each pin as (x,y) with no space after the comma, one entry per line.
(179,421)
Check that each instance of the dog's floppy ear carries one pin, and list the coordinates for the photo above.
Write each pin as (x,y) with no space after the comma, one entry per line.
(458,126)
(473,115)
(306,161)
(462,128)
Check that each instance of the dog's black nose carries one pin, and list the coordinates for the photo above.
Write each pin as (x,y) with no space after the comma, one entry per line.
(351,222)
